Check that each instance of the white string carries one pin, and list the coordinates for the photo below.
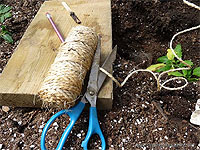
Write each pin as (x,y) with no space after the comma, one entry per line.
(191,4)
(171,42)
(175,78)
(159,85)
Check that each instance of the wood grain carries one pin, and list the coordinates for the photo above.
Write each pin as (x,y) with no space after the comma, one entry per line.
(27,68)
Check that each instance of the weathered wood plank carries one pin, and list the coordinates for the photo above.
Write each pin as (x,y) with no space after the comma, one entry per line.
(25,71)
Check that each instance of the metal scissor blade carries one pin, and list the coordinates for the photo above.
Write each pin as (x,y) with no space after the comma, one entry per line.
(92,89)
(107,65)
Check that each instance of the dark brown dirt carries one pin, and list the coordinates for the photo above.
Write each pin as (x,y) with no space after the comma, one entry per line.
(142,30)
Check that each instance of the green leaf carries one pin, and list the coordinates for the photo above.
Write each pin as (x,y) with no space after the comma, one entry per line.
(165,68)
(189,62)
(7,15)
(2,18)
(196,72)
(189,73)
(192,79)
(4,31)
(5,10)
(175,73)
(185,72)
(3,27)
(178,50)
(156,67)
(1,6)
(7,37)
(170,55)
(163,59)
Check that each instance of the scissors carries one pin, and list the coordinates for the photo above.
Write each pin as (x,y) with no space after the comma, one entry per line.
(95,83)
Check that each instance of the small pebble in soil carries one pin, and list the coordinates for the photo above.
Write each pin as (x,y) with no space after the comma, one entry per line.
(19,122)
(32,146)
(198,146)
(166,137)
(124,140)
(144,106)
(179,82)
(5,108)
(55,124)
(41,126)
(120,120)
(79,135)
(161,102)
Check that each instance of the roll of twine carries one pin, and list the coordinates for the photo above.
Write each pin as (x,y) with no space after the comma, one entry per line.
(63,83)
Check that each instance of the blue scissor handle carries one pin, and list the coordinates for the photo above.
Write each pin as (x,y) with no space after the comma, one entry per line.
(73,113)
(94,128)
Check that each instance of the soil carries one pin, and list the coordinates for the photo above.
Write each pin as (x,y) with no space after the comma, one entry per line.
(141,118)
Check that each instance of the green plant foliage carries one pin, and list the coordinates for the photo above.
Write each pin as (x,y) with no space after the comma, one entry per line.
(5,34)
(196,72)
(178,50)
(5,12)
(170,55)
(175,73)
(163,59)
(169,62)
(155,67)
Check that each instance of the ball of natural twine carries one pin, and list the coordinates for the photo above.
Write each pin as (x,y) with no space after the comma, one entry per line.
(63,83)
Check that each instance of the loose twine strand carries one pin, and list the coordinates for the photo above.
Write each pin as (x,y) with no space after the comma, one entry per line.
(63,83)
(158,79)
(191,4)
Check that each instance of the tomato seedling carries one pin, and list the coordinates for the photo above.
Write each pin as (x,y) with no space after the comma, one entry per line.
(169,62)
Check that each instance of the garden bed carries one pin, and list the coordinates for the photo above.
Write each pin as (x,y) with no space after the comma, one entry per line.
(142,30)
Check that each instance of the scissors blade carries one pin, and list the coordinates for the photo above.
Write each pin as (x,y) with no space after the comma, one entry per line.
(107,65)
(92,89)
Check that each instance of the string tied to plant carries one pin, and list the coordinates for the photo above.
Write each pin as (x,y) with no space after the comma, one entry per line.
(168,65)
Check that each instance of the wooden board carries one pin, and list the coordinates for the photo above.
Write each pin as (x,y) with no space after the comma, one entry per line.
(25,71)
